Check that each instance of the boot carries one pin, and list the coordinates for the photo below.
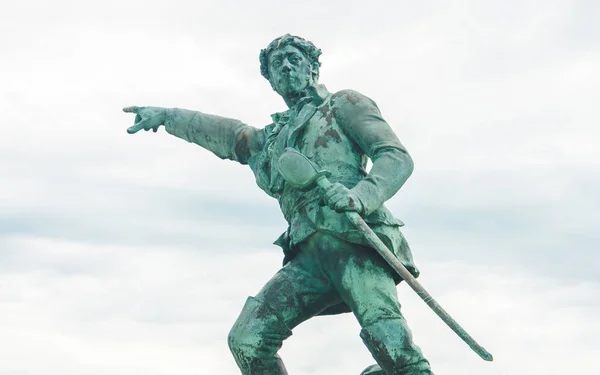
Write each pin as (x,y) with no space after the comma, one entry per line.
(373,370)
(390,342)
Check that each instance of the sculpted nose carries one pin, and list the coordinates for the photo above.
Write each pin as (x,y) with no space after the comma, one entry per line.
(286,68)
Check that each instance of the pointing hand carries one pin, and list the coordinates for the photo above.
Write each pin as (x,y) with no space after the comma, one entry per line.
(146,118)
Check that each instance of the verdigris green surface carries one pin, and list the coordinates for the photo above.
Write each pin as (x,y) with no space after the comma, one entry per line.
(329,267)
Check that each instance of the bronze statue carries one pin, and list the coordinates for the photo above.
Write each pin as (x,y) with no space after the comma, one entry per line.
(330,265)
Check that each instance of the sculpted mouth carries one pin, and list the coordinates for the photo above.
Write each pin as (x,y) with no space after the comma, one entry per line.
(288,81)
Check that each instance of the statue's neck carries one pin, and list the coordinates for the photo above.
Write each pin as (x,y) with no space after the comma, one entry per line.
(311,91)
(293,99)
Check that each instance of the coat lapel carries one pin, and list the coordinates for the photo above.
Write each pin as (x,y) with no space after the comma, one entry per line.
(299,122)
(288,126)
(316,95)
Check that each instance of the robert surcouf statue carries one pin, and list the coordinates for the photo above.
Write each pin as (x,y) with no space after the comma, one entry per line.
(329,268)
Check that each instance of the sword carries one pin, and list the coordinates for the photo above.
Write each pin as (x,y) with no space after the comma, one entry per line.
(301,173)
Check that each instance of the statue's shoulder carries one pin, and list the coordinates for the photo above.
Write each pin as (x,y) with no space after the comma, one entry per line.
(348,97)
(348,94)
(350,103)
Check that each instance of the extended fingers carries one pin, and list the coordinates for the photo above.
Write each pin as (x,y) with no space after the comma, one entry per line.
(137,127)
(140,122)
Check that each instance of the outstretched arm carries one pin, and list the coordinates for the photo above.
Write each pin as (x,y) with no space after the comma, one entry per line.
(225,137)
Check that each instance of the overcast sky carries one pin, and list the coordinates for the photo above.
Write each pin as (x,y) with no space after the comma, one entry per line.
(133,254)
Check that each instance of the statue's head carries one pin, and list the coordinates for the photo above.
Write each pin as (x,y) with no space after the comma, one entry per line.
(290,63)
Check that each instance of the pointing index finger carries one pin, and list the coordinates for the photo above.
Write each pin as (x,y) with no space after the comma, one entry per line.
(137,127)
(132,109)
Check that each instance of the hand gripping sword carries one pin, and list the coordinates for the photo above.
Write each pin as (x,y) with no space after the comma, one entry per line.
(301,173)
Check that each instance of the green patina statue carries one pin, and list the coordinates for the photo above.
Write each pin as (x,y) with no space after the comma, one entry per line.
(329,265)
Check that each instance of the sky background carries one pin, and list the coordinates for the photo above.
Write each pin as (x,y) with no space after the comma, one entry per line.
(133,254)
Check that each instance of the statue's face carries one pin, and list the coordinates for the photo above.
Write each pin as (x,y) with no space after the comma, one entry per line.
(290,71)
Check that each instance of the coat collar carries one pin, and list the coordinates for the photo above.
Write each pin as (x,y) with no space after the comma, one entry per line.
(315,94)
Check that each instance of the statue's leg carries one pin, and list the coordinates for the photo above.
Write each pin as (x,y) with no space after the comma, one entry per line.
(296,293)
(256,337)
(364,281)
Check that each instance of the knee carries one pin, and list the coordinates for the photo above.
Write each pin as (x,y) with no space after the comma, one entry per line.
(385,308)
(236,339)
(258,332)
(394,332)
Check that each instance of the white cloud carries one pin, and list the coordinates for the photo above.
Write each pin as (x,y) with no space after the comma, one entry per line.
(166,310)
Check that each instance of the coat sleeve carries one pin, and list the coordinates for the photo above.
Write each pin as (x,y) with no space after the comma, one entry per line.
(225,137)
(361,120)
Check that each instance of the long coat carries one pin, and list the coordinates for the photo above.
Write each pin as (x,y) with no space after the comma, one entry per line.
(337,132)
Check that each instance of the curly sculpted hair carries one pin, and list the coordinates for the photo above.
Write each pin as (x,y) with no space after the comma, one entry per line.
(307,47)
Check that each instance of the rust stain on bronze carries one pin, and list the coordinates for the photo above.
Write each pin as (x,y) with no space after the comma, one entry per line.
(321,141)
(242,147)
(334,135)
(352,98)
(327,113)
